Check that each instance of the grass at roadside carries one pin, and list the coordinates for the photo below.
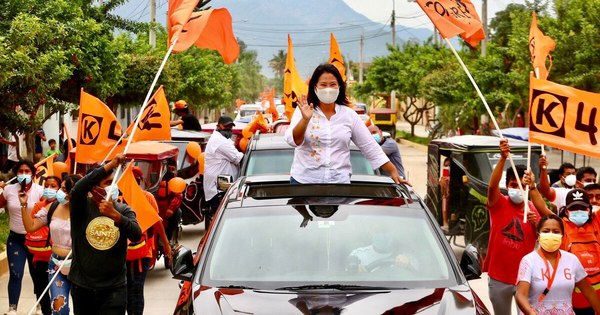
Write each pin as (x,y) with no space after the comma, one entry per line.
(406,135)
(4,229)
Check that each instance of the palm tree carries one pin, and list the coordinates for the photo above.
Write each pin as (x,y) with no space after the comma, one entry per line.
(277,63)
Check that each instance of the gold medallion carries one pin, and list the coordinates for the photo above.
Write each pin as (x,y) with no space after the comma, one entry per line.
(102,233)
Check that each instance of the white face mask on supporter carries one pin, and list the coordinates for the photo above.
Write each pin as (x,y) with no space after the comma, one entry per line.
(327,95)
(515,195)
(570,180)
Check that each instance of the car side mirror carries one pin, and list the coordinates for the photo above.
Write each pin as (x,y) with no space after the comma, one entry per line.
(224,182)
(182,267)
(469,263)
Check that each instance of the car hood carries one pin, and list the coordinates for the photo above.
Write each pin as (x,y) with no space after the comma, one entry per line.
(457,300)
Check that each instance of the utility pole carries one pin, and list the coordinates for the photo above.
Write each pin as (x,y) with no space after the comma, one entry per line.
(485,28)
(360,69)
(393,23)
(152,34)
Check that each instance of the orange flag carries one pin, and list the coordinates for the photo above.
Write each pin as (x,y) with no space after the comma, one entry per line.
(69,146)
(239,102)
(540,47)
(135,198)
(211,29)
(272,109)
(563,117)
(44,168)
(179,14)
(453,18)
(293,85)
(98,130)
(155,121)
(335,56)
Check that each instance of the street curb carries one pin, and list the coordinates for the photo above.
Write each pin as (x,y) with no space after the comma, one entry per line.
(3,263)
(418,146)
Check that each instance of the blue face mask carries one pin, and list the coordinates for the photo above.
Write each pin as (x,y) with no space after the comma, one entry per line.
(579,217)
(49,193)
(24,177)
(61,197)
(382,242)
(113,193)
(377,137)
(515,196)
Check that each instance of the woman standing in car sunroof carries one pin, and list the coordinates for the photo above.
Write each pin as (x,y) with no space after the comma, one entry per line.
(321,131)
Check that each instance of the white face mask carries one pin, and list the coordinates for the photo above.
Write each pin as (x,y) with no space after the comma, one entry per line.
(587,183)
(327,95)
(515,195)
(595,208)
(570,180)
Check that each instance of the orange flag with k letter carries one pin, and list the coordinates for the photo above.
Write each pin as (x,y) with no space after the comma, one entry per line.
(98,130)
(179,13)
(211,29)
(134,196)
(540,47)
(155,121)
(452,17)
(293,85)
(335,56)
(44,168)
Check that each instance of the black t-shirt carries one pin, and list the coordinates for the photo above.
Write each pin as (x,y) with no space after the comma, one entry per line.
(98,263)
(190,122)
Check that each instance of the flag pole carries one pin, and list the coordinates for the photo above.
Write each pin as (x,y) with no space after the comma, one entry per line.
(50,283)
(487,107)
(139,117)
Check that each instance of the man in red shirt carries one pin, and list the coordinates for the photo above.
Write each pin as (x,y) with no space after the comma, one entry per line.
(510,238)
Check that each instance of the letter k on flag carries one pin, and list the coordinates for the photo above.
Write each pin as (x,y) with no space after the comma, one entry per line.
(455,17)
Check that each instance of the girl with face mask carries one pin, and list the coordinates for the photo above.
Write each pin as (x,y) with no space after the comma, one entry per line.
(548,276)
(16,199)
(55,216)
(321,129)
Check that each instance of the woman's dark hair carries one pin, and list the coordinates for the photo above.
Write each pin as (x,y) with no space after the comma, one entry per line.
(70,181)
(510,175)
(551,217)
(56,178)
(312,84)
(29,164)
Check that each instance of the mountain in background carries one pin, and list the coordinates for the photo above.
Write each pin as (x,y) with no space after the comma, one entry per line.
(264,25)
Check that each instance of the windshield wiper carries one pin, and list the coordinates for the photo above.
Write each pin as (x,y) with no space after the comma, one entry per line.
(231,286)
(331,286)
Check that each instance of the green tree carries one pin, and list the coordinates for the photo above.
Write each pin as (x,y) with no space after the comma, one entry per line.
(277,63)
(251,81)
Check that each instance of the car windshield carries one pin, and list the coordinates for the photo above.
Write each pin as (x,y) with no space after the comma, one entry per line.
(249,112)
(291,246)
(260,162)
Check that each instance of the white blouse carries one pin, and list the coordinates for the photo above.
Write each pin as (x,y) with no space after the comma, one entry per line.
(13,205)
(324,155)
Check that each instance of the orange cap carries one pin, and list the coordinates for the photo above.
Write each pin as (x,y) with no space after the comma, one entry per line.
(181,104)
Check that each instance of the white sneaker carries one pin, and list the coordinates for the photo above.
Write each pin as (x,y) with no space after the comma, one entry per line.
(38,310)
(11,311)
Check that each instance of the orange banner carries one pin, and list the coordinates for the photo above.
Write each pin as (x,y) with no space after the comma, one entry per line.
(178,15)
(453,18)
(44,168)
(335,56)
(540,47)
(134,196)
(211,29)
(563,117)
(293,85)
(155,121)
(98,130)
(272,109)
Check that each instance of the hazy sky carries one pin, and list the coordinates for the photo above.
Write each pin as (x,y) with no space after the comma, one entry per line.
(409,13)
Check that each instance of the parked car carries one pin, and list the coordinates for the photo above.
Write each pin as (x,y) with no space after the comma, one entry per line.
(269,154)
(246,111)
(370,247)
(360,108)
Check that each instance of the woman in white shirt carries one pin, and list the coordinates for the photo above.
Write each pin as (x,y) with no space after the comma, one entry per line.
(16,250)
(548,276)
(321,131)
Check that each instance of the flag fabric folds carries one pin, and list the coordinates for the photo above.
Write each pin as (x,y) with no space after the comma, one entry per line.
(44,168)
(335,56)
(563,117)
(211,29)
(134,196)
(272,109)
(540,47)
(98,130)
(453,18)
(179,13)
(293,85)
(155,121)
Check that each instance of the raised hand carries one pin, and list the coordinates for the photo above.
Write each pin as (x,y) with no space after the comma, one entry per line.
(504,148)
(306,109)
